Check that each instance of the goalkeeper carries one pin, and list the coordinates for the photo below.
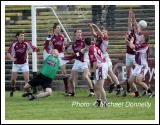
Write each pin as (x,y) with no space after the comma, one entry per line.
(45,76)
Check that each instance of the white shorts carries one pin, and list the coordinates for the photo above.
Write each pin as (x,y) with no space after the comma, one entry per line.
(109,62)
(140,69)
(62,62)
(79,66)
(20,67)
(86,58)
(102,71)
(130,59)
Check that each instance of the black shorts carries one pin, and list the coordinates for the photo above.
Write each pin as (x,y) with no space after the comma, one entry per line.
(42,80)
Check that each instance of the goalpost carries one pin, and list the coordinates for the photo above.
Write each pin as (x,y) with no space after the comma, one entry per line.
(34,33)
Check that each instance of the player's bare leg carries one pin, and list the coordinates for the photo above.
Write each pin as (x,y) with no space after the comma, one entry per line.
(112,85)
(131,81)
(27,89)
(26,79)
(65,78)
(13,83)
(86,77)
(129,73)
(110,79)
(113,76)
(103,93)
(125,82)
(115,79)
(97,94)
(72,80)
(46,93)
(72,88)
(139,81)
(100,93)
(128,69)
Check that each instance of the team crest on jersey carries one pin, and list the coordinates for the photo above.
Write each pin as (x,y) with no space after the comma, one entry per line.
(51,62)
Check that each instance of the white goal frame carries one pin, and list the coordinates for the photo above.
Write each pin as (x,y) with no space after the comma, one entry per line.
(34,32)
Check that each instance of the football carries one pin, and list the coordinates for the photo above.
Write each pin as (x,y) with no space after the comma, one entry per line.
(142,24)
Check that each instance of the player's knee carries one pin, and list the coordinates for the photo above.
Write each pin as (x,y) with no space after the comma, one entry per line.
(26,86)
(26,82)
(72,78)
(69,78)
(49,92)
(85,77)
(139,79)
(64,73)
(101,88)
(97,87)
(130,81)
(111,73)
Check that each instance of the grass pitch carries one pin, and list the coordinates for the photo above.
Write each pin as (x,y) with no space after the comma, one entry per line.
(80,107)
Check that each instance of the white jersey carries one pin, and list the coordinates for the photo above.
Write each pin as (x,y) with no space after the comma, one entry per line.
(86,57)
(141,56)
(104,46)
(138,37)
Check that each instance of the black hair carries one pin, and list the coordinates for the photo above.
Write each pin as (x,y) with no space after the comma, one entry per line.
(76,30)
(18,33)
(55,25)
(87,41)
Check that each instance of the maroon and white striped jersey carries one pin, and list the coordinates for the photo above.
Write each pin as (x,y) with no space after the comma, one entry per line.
(142,53)
(77,46)
(96,55)
(19,50)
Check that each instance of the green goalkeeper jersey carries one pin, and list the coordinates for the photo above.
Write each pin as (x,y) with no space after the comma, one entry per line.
(50,66)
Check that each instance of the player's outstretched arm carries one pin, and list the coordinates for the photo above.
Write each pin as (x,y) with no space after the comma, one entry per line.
(98,29)
(130,19)
(136,27)
(92,29)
